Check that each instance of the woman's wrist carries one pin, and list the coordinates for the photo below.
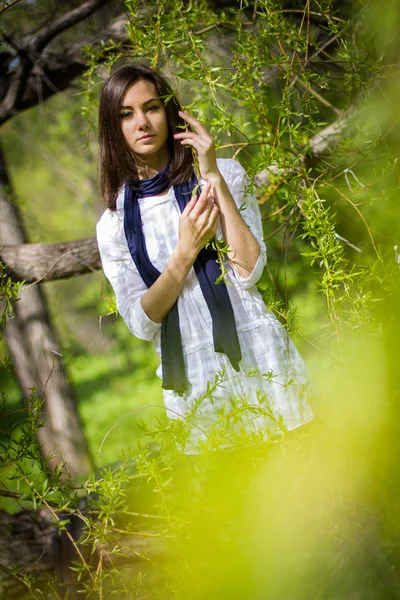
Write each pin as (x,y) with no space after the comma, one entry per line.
(184,255)
(214,177)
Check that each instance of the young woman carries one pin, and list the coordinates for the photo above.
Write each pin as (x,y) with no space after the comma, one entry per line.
(224,356)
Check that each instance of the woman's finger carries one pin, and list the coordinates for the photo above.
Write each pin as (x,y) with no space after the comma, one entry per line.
(197,198)
(190,205)
(193,201)
(214,211)
(214,218)
(204,198)
(195,123)
(187,136)
(196,142)
(194,134)
(203,203)
(183,134)
(207,207)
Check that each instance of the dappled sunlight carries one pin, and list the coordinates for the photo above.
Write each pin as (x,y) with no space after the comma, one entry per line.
(220,499)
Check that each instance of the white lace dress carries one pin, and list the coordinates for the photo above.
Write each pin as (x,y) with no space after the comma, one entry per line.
(272,374)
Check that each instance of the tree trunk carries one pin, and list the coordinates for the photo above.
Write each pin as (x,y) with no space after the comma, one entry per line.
(37,356)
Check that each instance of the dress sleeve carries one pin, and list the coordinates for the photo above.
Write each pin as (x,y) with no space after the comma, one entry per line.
(123,275)
(245,199)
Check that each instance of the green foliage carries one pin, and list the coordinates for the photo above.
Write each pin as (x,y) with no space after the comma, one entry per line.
(263,104)
(312,516)
(9,292)
(235,522)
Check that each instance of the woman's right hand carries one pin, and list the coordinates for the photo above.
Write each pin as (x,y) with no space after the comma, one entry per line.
(198,223)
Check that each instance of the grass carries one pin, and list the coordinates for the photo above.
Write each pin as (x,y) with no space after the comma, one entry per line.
(107,395)
(107,387)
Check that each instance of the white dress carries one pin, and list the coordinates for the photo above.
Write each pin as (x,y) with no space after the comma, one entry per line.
(272,374)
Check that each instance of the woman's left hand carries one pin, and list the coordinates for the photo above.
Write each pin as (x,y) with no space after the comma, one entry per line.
(201,140)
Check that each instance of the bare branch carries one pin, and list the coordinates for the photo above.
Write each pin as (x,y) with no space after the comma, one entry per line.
(6,6)
(14,495)
(14,93)
(44,262)
(55,72)
(30,52)
(318,145)
(69,19)
(328,137)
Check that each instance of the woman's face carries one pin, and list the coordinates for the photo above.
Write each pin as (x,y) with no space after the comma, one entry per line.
(144,123)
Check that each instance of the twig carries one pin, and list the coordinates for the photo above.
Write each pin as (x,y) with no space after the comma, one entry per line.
(140,533)
(5,6)
(357,210)
(34,44)
(311,12)
(14,495)
(141,408)
(285,222)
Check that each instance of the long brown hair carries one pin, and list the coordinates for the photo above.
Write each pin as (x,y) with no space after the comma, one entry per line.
(117,162)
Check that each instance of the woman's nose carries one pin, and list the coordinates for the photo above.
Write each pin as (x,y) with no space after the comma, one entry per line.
(142,120)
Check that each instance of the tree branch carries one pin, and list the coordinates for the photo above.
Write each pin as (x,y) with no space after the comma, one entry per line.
(21,83)
(40,39)
(323,141)
(14,495)
(317,146)
(55,72)
(6,6)
(46,262)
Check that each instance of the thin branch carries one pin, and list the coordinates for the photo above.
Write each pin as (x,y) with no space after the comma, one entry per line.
(30,51)
(311,12)
(47,262)
(67,533)
(308,88)
(357,210)
(4,7)
(140,533)
(14,495)
(66,21)
(206,29)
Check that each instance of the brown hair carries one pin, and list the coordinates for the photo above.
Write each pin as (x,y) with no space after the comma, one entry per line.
(117,162)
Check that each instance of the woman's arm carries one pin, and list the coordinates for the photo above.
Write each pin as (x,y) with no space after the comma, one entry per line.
(143,309)
(197,225)
(244,249)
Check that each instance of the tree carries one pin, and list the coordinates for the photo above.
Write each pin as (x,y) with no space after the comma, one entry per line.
(289,89)
(37,359)
(36,75)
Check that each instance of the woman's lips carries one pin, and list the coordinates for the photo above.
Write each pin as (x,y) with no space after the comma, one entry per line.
(146,137)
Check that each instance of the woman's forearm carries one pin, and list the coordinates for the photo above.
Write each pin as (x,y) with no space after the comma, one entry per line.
(244,249)
(162,295)
(197,224)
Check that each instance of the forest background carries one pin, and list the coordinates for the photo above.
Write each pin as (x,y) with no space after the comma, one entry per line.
(306,95)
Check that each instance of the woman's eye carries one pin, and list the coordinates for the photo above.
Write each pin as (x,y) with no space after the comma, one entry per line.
(126,114)
(153,107)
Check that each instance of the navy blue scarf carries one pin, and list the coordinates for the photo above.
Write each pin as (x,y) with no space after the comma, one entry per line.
(207,270)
